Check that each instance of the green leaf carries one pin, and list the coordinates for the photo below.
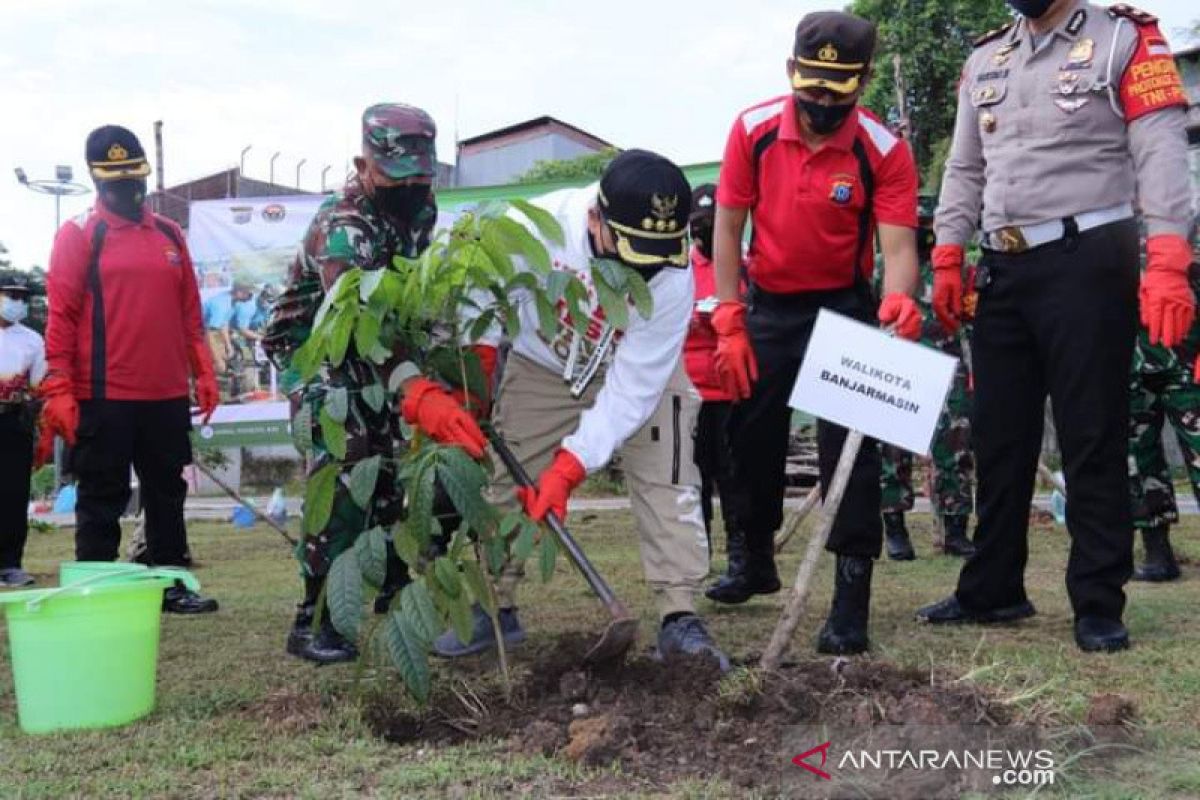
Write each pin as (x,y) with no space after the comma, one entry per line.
(546,557)
(339,338)
(463,480)
(302,424)
(409,655)
(639,292)
(510,522)
(417,607)
(576,297)
(616,307)
(337,403)
(547,317)
(547,226)
(371,551)
(478,584)
(518,240)
(497,554)
(371,279)
(523,546)
(363,477)
(344,594)
(481,324)
(374,395)
(407,547)
(556,284)
(522,280)
(461,618)
(420,503)
(333,434)
(318,498)
(366,333)
(447,577)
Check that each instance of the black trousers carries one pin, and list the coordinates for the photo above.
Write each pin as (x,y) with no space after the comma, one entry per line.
(16,463)
(1058,319)
(152,435)
(715,461)
(780,327)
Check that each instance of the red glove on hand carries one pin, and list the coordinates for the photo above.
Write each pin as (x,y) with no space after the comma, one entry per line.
(434,410)
(900,310)
(948,285)
(43,454)
(480,407)
(554,487)
(60,412)
(1167,303)
(208,395)
(737,369)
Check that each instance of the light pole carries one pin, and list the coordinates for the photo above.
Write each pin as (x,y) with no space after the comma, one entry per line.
(323,172)
(61,186)
(271,179)
(300,164)
(242,160)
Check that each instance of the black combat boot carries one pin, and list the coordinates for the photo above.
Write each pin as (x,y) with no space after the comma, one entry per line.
(735,550)
(957,543)
(755,574)
(327,646)
(1160,565)
(899,545)
(301,633)
(845,631)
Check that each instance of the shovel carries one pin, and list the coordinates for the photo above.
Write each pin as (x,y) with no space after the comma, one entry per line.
(622,629)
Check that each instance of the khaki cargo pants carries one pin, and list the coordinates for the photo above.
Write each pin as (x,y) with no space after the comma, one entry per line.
(535,411)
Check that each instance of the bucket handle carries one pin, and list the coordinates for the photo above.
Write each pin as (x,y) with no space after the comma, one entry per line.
(175,573)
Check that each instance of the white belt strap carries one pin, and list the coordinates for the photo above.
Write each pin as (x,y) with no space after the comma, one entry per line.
(1019,238)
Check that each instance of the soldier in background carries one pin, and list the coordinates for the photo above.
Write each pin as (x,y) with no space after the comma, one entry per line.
(1162,389)
(953,465)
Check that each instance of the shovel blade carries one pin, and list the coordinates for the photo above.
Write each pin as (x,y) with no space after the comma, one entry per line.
(614,642)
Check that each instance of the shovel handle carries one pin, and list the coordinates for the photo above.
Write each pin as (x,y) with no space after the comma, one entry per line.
(574,551)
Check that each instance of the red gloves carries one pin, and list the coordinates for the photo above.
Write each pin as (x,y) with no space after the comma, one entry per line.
(1167,303)
(948,285)
(553,488)
(208,396)
(480,407)
(900,310)
(434,410)
(736,366)
(60,416)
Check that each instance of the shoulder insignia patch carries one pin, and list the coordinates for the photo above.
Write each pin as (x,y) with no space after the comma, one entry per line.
(1136,15)
(993,34)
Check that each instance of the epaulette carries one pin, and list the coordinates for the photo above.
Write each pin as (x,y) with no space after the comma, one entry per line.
(993,34)
(1136,15)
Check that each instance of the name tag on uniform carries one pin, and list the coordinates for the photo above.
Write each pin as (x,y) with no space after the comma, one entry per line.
(860,377)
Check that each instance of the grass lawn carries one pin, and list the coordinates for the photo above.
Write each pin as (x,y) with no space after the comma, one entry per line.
(237,717)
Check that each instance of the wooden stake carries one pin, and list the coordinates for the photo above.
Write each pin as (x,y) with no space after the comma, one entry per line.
(793,524)
(790,619)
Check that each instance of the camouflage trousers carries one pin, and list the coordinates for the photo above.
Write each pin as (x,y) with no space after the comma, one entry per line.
(368,433)
(1172,397)
(953,462)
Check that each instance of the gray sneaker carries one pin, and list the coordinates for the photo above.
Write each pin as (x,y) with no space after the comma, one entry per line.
(13,577)
(687,635)
(448,645)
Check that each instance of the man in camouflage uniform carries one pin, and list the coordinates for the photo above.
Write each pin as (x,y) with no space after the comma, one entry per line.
(386,209)
(953,464)
(1162,388)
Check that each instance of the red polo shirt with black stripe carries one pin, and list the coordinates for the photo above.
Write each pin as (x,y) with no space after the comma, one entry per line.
(806,205)
(124,307)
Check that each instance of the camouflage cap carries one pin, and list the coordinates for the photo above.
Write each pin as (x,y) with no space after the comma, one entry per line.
(399,139)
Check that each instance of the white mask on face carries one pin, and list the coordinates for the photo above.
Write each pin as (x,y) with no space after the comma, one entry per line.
(13,310)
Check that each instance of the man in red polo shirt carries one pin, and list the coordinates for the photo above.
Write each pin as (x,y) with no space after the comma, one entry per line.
(820,178)
(123,335)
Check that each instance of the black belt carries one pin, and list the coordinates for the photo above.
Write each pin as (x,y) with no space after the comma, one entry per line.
(11,408)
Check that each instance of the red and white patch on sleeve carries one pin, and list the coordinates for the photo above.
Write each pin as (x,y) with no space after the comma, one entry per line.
(1151,82)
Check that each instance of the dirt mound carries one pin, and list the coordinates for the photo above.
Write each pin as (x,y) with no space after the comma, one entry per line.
(664,722)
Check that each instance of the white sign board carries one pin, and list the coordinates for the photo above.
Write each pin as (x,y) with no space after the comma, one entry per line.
(860,377)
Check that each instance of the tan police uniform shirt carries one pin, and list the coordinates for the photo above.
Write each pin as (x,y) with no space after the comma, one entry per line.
(1090,117)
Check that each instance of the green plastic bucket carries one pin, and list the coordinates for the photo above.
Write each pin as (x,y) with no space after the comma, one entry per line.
(75,571)
(85,655)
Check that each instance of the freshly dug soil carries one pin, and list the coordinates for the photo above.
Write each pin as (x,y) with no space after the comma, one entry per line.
(665,722)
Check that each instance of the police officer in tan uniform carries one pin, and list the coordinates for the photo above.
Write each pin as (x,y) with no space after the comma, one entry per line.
(1066,119)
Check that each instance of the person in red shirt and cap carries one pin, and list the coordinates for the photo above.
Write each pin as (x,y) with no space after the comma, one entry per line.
(821,178)
(123,337)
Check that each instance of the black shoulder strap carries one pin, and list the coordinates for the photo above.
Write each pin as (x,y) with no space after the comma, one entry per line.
(168,231)
(864,217)
(99,343)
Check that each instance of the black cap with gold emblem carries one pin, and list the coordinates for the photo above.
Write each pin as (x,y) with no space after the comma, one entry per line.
(114,152)
(833,51)
(645,200)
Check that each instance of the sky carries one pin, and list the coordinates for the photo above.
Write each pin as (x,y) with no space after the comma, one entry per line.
(293,77)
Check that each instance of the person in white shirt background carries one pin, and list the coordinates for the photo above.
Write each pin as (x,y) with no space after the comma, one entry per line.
(22,367)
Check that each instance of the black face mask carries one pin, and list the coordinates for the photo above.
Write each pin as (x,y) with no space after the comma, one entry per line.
(702,237)
(402,202)
(1031,9)
(824,120)
(124,197)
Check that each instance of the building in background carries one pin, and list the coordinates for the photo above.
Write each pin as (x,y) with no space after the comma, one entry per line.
(501,156)
(1189,67)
